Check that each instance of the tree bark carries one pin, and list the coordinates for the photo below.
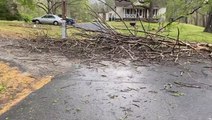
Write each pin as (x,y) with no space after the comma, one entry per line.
(208,27)
(151,5)
(186,20)
(204,20)
(104,14)
(197,19)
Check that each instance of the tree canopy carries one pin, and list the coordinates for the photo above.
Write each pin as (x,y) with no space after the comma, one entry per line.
(9,10)
(19,9)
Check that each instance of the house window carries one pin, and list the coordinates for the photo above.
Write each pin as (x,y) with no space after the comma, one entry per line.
(131,11)
(155,12)
(141,12)
(134,11)
(127,11)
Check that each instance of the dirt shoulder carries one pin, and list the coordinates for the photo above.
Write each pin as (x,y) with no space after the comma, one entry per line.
(16,85)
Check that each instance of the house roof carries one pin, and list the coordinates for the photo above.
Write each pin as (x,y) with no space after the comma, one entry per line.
(128,4)
(122,3)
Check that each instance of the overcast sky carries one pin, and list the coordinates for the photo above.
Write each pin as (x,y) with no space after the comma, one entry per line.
(93,1)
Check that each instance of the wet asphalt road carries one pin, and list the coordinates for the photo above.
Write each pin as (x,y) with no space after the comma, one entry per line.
(91,26)
(113,91)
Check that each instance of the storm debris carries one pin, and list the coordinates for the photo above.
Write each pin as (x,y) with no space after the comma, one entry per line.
(175,93)
(136,101)
(178,94)
(155,92)
(136,105)
(110,44)
(130,89)
(112,96)
(187,85)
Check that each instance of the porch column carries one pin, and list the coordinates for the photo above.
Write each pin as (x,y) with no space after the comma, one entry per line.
(137,13)
(143,14)
(124,12)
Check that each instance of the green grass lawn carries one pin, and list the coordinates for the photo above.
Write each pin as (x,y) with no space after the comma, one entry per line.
(188,32)
(28,30)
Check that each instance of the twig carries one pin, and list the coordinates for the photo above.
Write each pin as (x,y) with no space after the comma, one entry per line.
(187,85)
(118,15)
(178,39)
(178,18)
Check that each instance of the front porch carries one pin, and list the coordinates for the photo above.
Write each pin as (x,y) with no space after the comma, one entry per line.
(142,13)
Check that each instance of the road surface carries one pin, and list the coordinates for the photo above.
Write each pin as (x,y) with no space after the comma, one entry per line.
(117,91)
(91,26)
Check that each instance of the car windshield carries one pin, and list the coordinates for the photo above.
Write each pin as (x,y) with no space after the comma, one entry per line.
(49,16)
(46,16)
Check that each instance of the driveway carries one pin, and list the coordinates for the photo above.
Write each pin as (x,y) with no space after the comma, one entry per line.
(91,26)
(122,91)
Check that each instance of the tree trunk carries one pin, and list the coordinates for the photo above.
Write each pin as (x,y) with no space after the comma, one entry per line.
(48,7)
(151,11)
(53,10)
(104,14)
(186,20)
(197,19)
(208,27)
(204,20)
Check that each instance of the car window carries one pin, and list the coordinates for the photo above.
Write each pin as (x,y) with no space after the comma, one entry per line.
(51,17)
(46,16)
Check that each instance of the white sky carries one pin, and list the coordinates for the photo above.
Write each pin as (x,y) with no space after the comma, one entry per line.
(92,1)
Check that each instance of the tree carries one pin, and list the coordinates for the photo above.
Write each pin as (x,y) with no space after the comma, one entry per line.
(28,3)
(79,10)
(102,7)
(184,8)
(49,6)
(150,4)
(176,8)
(208,27)
(110,3)
(9,11)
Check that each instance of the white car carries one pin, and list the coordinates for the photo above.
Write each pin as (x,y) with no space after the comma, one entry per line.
(48,19)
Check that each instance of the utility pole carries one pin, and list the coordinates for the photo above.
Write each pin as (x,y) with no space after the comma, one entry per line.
(64,30)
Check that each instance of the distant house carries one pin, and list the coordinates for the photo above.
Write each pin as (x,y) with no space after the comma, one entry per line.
(127,11)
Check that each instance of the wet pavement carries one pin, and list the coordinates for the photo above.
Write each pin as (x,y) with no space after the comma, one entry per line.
(91,26)
(117,91)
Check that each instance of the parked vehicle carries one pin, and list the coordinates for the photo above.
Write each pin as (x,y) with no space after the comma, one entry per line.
(48,19)
(70,21)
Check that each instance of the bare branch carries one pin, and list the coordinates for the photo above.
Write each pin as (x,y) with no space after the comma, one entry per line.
(42,6)
(180,17)
(117,14)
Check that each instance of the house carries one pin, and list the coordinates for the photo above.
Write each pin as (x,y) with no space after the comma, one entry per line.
(131,11)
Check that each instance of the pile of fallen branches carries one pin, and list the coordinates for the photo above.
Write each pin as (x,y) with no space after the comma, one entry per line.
(106,43)
(110,44)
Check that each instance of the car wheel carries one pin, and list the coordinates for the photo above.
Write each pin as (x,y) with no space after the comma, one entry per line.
(37,22)
(55,23)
